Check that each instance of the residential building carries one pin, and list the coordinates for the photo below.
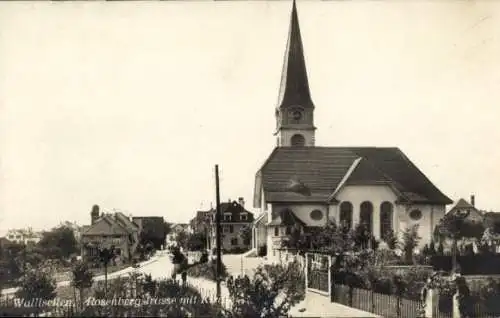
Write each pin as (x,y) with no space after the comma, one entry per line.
(110,229)
(462,207)
(175,230)
(234,217)
(306,185)
(152,228)
(23,236)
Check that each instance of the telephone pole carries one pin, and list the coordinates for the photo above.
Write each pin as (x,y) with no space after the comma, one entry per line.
(217,233)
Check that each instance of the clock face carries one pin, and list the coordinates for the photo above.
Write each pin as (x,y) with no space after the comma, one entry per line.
(297,115)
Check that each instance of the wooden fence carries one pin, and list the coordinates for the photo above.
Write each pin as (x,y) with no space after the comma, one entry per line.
(380,304)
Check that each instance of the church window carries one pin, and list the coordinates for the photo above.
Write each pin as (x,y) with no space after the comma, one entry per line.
(276,231)
(316,215)
(366,215)
(386,211)
(346,214)
(298,140)
(415,214)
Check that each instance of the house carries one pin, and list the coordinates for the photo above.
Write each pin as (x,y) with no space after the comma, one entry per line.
(110,229)
(201,222)
(152,228)
(234,217)
(462,207)
(23,236)
(301,184)
(175,230)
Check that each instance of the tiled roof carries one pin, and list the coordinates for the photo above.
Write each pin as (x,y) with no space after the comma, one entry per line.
(462,204)
(321,169)
(105,225)
(285,217)
(236,210)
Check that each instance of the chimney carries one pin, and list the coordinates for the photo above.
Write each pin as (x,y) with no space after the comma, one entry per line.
(94,214)
(241,201)
(473,200)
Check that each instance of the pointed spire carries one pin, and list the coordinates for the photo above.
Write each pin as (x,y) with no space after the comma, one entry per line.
(294,88)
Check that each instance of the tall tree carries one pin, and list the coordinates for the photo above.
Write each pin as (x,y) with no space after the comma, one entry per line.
(82,279)
(60,242)
(246,234)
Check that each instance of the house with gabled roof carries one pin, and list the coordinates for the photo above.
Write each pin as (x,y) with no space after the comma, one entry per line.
(302,184)
(234,219)
(111,229)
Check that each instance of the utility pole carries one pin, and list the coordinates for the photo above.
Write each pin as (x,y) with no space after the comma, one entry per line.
(217,233)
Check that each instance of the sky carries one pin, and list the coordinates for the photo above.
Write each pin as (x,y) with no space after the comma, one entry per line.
(129,105)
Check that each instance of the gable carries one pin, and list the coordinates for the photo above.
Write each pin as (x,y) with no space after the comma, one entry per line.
(236,210)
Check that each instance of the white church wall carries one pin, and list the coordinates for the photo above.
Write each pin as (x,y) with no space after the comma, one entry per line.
(376,194)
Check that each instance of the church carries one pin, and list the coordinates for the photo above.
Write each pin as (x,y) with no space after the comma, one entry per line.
(301,184)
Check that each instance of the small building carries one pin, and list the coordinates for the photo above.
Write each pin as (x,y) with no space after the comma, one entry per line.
(234,218)
(107,230)
(175,230)
(23,236)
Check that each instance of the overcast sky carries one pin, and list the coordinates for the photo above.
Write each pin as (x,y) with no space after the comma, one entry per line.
(130,104)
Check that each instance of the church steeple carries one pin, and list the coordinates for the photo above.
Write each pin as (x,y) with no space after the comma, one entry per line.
(294,88)
(294,111)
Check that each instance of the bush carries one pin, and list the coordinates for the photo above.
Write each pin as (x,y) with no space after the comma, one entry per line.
(207,270)
(262,251)
(140,288)
(271,292)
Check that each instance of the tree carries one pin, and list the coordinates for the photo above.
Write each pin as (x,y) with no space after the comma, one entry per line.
(271,292)
(106,255)
(391,239)
(246,234)
(182,238)
(456,226)
(82,278)
(196,242)
(58,243)
(37,285)
(410,242)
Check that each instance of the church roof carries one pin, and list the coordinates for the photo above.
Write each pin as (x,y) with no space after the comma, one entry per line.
(324,169)
(294,87)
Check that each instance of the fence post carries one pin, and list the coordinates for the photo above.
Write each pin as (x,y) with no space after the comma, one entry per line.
(398,305)
(306,269)
(372,300)
(330,286)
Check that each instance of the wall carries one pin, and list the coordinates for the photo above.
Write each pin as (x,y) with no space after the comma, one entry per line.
(106,241)
(227,236)
(285,137)
(431,214)
(302,211)
(376,194)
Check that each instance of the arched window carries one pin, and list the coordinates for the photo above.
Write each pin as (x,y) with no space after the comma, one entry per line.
(346,213)
(386,211)
(366,215)
(298,140)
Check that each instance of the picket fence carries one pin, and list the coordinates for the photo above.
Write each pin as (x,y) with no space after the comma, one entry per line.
(377,303)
